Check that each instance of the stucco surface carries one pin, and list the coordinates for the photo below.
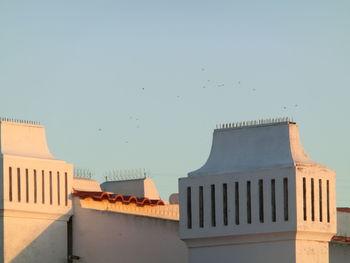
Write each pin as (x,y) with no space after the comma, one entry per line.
(35,197)
(254,147)
(339,253)
(108,236)
(24,140)
(144,187)
(85,184)
(258,198)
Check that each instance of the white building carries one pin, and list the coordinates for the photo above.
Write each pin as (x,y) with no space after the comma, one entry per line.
(258,198)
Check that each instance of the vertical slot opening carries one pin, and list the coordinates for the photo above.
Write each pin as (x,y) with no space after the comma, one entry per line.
(328,205)
(35,188)
(249,203)
(273,200)
(58,189)
(43,186)
(304,199)
(27,186)
(237,202)
(320,198)
(286,199)
(201,207)
(224,197)
(50,186)
(213,212)
(66,189)
(189,208)
(10,184)
(312,200)
(261,201)
(19,184)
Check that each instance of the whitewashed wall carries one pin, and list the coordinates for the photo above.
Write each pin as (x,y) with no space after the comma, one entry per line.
(106,236)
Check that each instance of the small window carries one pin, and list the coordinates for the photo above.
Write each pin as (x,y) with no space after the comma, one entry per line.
(249,203)
(10,184)
(35,188)
(66,189)
(27,186)
(312,200)
(304,199)
(320,198)
(19,184)
(237,202)
(328,204)
(50,182)
(286,199)
(58,189)
(43,186)
(189,208)
(213,212)
(273,200)
(224,197)
(261,201)
(201,207)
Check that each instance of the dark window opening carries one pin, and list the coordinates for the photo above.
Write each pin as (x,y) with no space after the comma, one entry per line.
(201,207)
(66,189)
(19,184)
(249,203)
(213,212)
(27,186)
(273,200)
(261,201)
(328,205)
(304,199)
(189,208)
(58,189)
(312,200)
(224,197)
(320,198)
(10,184)
(35,188)
(43,186)
(50,182)
(237,202)
(285,199)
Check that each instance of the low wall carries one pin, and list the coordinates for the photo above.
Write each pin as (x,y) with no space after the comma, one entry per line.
(106,236)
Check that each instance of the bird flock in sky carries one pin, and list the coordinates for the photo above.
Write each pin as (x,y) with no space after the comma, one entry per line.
(208,85)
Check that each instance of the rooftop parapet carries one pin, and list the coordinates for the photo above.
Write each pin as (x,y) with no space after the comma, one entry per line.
(23,138)
(254,145)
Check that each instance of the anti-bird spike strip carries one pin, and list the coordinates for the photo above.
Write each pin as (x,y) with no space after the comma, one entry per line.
(253,123)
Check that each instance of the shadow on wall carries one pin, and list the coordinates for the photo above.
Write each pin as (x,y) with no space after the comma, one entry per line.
(49,246)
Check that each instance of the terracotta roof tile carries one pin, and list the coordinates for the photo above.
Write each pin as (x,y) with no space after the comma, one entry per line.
(112,198)
(343,209)
(341,239)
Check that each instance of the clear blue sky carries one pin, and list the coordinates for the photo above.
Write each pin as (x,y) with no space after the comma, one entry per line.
(157,76)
